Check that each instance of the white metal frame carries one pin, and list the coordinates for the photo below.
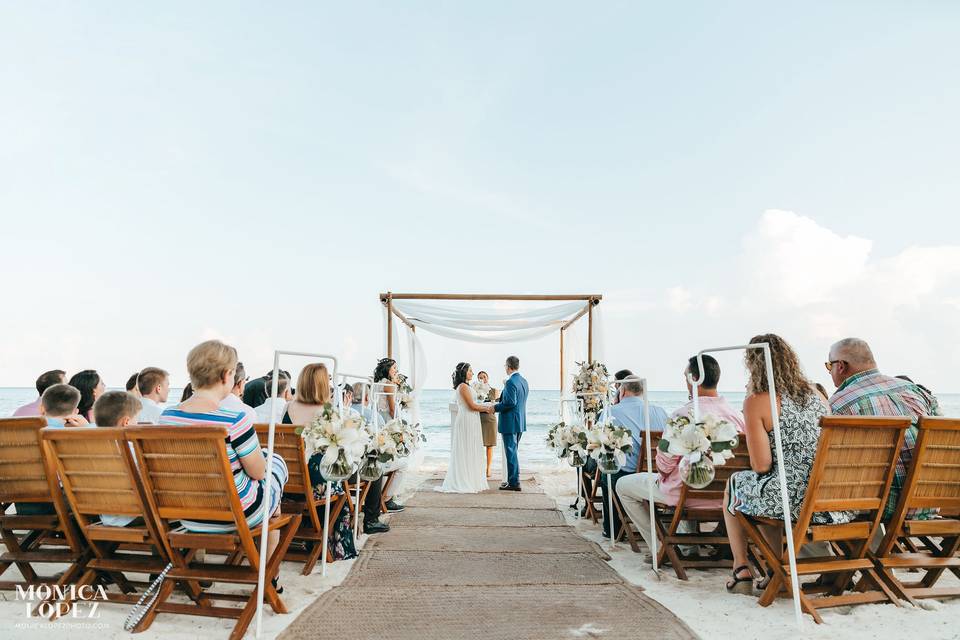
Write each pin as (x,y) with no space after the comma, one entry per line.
(781,471)
(367,385)
(578,402)
(264,528)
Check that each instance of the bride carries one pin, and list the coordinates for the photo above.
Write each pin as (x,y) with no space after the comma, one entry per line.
(465,473)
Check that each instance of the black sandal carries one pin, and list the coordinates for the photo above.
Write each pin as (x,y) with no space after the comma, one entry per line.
(276,588)
(738,581)
(763,582)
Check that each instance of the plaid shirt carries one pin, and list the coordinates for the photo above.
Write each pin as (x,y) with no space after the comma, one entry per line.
(870,393)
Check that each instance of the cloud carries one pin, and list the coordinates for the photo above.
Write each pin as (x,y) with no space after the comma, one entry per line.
(793,260)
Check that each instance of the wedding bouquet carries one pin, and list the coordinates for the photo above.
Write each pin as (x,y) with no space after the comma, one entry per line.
(482,389)
(405,436)
(701,445)
(609,444)
(591,386)
(404,392)
(341,440)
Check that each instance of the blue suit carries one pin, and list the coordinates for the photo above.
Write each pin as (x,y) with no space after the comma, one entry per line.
(512,408)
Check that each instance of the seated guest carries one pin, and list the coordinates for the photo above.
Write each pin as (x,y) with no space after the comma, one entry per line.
(361,402)
(117,409)
(186,393)
(628,413)
(212,366)
(45,381)
(132,384)
(90,385)
(283,397)
(233,400)
(757,492)
(59,406)
(346,398)
(153,385)
(256,391)
(863,391)
(634,490)
(313,392)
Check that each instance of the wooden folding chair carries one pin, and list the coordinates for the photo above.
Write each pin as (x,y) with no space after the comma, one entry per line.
(27,476)
(668,520)
(186,476)
(350,495)
(852,471)
(594,498)
(298,497)
(99,476)
(932,482)
(387,481)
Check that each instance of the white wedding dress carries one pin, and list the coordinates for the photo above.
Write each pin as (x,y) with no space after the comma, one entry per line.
(466,472)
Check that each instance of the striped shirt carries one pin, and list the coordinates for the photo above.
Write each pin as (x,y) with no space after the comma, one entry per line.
(241,441)
(870,393)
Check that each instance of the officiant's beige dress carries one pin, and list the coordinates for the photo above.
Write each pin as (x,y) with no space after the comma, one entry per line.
(488,422)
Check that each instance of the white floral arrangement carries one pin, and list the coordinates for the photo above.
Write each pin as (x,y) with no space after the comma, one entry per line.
(566,438)
(381,444)
(709,437)
(482,390)
(404,391)
(336,437)
(591,385)
(406,436)
(609,437)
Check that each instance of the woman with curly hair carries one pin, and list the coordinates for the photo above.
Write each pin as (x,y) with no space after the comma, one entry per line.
(757,492)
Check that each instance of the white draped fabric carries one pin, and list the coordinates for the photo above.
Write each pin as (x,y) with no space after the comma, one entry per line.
(488,325)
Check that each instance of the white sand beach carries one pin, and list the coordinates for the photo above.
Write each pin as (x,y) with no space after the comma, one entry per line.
(703,604)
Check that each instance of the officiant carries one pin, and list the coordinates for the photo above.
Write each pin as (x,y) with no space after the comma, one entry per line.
(488,421)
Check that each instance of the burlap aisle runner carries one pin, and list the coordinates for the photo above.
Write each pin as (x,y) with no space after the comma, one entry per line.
(467,567)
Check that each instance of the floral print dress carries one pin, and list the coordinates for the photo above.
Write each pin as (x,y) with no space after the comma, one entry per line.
(758,494)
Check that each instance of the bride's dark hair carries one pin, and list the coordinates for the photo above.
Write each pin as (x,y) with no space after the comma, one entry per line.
(460,374)
(382,370)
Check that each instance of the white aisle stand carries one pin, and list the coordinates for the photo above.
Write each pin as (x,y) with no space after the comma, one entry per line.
(264,526)
(781,470)
(365,381)
(379,390)
(579,403)
(604,408)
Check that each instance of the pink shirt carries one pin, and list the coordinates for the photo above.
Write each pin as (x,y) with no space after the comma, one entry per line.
(32,409)
(667,465)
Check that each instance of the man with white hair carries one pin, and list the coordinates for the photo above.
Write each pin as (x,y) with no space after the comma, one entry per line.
(863,391)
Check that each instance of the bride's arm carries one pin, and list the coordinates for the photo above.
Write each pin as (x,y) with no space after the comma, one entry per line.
(467,395)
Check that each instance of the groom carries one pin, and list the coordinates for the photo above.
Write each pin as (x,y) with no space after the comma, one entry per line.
(513,420)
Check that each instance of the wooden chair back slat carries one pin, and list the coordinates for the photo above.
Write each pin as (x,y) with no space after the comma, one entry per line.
(92,463)
(854,462)
(937,481)
(289,444)
(23,476)
(642,457)
(186,472)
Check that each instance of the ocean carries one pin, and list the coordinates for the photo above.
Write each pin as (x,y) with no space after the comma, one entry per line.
(542,411)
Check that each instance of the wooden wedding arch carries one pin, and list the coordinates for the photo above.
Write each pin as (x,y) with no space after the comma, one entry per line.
(589,300)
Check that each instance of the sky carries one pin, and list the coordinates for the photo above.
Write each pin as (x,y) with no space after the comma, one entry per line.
(171,172)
